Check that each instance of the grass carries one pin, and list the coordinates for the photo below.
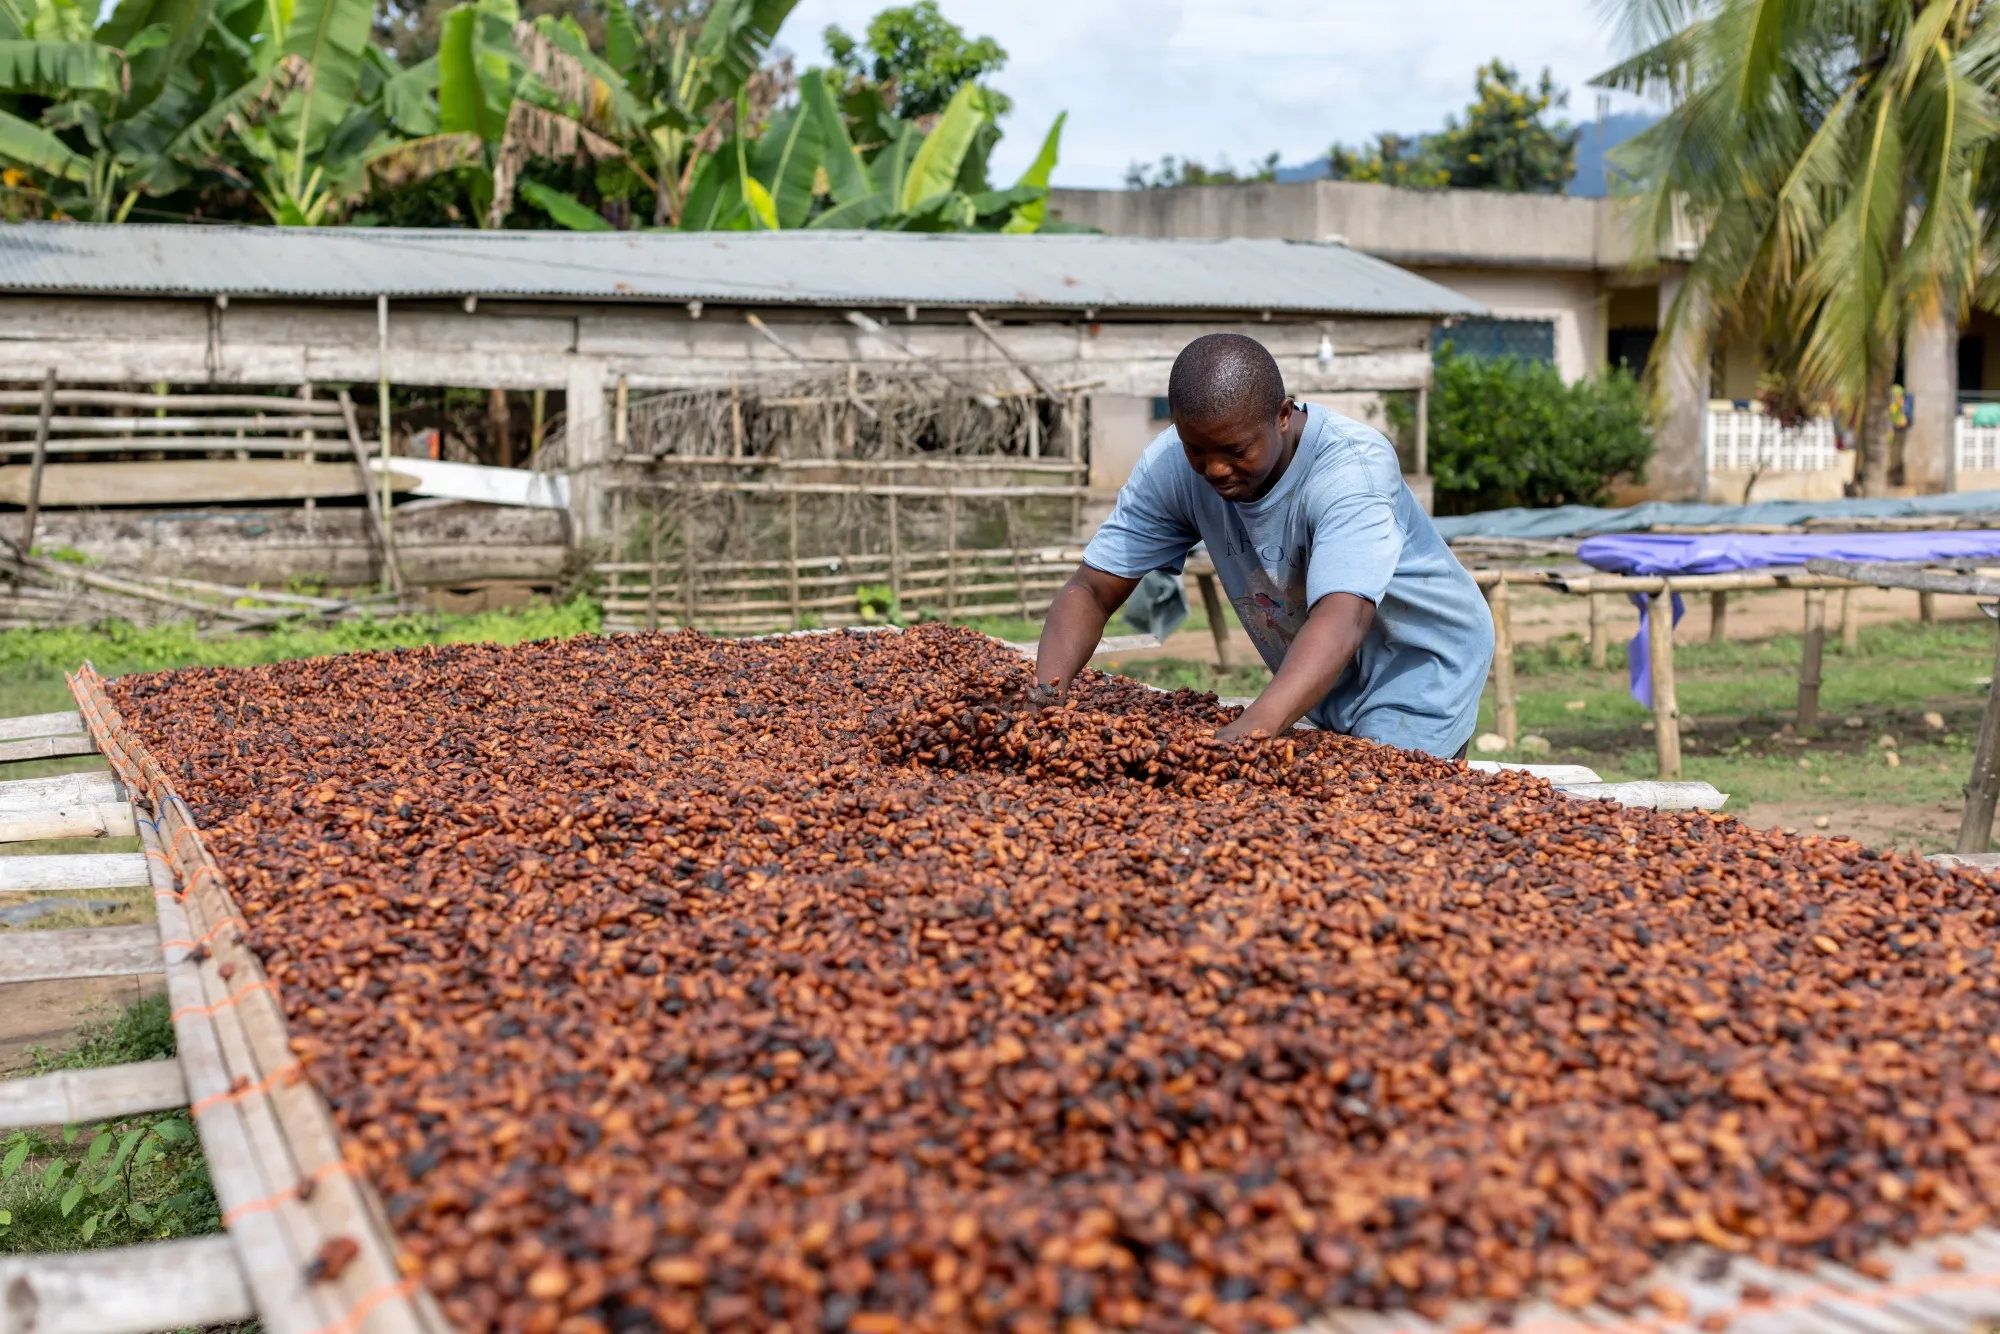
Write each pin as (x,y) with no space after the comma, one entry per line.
(113,1183)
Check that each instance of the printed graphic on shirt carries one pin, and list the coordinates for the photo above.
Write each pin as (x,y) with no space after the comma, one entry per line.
(1271,612)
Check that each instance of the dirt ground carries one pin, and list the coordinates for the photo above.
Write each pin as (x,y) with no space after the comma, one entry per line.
(45,1014)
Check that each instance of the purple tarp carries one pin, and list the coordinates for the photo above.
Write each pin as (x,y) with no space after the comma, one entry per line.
(1714,553)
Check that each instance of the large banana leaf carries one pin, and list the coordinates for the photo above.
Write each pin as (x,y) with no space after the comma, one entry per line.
(732,43)
(715,201)
(566,209)
(406,97)
(623,42)
(478,71)
(846,173)
(61,69)
(186,23)
(31,146)
(862,212)
(330,37)
(785,163)
(889,169)
(61,21)
(1028,216)
(934,169)
(16,19)
(613,109)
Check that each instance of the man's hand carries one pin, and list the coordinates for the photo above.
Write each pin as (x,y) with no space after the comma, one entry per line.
(1325,645)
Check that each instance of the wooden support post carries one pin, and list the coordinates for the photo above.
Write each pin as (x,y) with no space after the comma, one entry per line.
(1079,472)
(621,421)
(895,553)
(950,554)
(1927,608)
(687,555)
(1034,428)
(385,544)
(1599,608)
(538,417)
(735,420)
(1718,617)
(792,552)
(1666,705)
(1218,621)
(848,414)
(1014,552)
(1975,826)
(48,409)
(653,561)
(1809,658)
(1505,708)
(1850,620)
(383,428)
(499,420)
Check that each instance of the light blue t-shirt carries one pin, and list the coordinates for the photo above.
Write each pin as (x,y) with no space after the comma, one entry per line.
(1339,521)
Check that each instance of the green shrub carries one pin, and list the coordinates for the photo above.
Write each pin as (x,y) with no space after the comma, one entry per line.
(1509,432)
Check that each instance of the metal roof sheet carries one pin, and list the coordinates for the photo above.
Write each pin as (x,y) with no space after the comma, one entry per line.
(808,268)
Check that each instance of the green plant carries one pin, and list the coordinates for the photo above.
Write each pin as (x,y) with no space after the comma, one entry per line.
(67,555)
(920,58)
(1509,432)
(1502,143)
(878,602)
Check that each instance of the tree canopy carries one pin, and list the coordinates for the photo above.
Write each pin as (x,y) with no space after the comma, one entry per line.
(918,58)
(1503,142)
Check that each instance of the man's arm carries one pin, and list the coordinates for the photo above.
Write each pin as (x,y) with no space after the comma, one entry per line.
(1076,622)
(1324,646)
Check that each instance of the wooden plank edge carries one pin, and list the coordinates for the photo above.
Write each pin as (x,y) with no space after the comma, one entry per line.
(45,748)
(69,723)
(94,951)
(21,796)
(107,819)
(70,1096)
(194,1282)
(74,870)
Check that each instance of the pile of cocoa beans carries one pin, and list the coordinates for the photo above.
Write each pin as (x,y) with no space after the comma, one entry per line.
(840,982)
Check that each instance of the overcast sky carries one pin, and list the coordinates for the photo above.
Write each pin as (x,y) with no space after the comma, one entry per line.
(1205,78)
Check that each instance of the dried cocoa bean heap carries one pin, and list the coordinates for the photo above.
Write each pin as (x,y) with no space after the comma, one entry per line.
(832,983)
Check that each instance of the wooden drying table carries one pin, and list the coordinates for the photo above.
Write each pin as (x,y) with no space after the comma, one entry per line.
(264,1131)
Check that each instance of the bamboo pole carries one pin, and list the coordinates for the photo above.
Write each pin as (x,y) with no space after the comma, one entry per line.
(48,409)
(1718,617)
(951,555)
(735,420)
(1850,620)
(1809,658)
(1975,825)
(1020,578)
(653,568)
(1505,708)
(895,552)
(792,552)
(621,418)
(1600,605)
(1927,608)
(537,420)
(383,427)
(687,557)
(1666,704)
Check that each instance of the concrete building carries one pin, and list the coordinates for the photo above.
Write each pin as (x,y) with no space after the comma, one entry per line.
(1567,280)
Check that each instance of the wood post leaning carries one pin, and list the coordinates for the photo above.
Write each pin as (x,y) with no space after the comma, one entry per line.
(1810,657)
(1660,658)
(1505,709)
(48,409)
(1718,617)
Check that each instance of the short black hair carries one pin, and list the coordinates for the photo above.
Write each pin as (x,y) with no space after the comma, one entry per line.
(1221,376)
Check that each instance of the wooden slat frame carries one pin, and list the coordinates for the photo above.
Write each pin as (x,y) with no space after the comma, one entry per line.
(67,723)
(95,951)
(264,1128)
(68,1097)
(101,820)
(126,1289)
(73,870)
(59,792)
(45,748)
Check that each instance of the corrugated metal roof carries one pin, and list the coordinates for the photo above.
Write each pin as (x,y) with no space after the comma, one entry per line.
(768,268)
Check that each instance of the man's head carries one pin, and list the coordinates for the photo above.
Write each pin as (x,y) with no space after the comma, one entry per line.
(1231,411)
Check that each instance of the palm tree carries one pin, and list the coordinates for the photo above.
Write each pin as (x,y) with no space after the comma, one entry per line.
(1834,155)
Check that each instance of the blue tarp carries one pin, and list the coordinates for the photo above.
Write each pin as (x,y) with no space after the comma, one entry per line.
(1715,553)
(1585,521)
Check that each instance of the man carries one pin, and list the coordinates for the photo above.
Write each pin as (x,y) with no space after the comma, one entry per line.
(1369,624)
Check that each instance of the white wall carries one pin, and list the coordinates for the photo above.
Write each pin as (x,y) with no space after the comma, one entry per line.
(1574,300)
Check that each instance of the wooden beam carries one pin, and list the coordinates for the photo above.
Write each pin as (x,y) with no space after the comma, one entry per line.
(125,1289)
(42,724)
(181,481)
(59,792)
(46,748)
(1904,574)
(76,870)
(111,398)
(1814,644)
(105,820)
(98,951)
(69,1096)
(1666,704)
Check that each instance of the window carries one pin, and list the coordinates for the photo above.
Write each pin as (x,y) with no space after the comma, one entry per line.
(1630,348)
(1530,340)
(1162,410)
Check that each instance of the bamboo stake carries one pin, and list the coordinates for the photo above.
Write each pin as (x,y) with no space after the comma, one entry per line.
(895,553)
(1599,610)
(1975,826)
(1666,705)
(653,568)
(687,557)
(621,420)
(308,437)
(1504,704)
(537,420)
(735,420)
(792,553)
(951,554)
(1850,620)
(1809,658)
(382,403)
(1718,617)
(41,457)
(1927,608)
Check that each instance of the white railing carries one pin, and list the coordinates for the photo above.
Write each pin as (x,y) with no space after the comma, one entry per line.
(1741,440)
(1975,448)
